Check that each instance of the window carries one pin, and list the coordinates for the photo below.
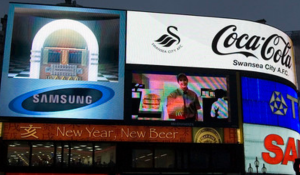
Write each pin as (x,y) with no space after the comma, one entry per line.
(18,154)
(42,154)
(105,155)
(164,158)
(81,154)
(199,159)
(66,149)
(61,154)
(142,158)
(148,158)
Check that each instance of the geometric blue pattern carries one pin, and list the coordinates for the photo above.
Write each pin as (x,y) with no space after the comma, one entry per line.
(266,102)
(277,104)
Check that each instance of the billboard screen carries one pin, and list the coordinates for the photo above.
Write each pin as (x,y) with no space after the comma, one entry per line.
(118,133)
(269,103)
(89,132)
(206,42)
(275,149)
(180,97)
(63,62)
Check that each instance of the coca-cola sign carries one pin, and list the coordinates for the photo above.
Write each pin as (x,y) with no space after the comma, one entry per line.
(246,45)
(206,42)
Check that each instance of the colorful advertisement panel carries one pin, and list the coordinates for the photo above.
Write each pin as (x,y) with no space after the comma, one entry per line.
(118,133)
(63,62)
(39,131)
(274,148)
(164,96)
(206,42)
(270,103)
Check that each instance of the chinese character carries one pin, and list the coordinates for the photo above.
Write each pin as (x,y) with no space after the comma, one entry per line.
(30,131)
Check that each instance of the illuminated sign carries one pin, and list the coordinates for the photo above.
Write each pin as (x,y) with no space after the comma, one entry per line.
(38,131)
(206,42)
(61,98)
(281,156)
(270,103)
(274,147)
(179,97)
(63,63)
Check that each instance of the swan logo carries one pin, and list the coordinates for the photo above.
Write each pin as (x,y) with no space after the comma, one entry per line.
(168,43)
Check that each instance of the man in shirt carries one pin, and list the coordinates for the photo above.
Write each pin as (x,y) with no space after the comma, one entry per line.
(183,103)
(219,108)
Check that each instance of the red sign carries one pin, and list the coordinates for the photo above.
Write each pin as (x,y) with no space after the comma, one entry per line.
(281,156)
(39,131)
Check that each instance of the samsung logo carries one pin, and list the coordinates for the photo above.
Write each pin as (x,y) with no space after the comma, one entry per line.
(61,98)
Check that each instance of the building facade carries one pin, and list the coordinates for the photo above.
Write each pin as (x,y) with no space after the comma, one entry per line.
(100,91)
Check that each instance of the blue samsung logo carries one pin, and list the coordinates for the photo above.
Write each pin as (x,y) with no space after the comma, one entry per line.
(61,98)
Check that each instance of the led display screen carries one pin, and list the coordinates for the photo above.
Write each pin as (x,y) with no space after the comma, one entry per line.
(180,97)
(270,103)
(63,62)
(207,42)
(272,149)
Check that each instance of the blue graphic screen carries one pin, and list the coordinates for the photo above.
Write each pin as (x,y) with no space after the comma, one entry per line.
(270,103)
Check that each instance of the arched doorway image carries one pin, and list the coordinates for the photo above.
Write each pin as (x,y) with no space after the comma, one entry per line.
(64,49)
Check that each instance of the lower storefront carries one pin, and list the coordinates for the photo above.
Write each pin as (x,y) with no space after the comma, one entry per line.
(120,157)
(95,149)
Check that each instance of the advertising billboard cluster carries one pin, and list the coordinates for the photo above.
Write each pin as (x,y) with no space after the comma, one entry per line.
(271,126)
(70,63)
(155,74)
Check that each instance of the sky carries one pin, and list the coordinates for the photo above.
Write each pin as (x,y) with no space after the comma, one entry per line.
(282,14)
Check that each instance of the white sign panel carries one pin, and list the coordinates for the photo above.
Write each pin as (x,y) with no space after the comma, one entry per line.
(275,148)
(206,42)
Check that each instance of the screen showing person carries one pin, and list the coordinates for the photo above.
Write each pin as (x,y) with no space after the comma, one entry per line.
(219,108)
(180,97)
(183,103)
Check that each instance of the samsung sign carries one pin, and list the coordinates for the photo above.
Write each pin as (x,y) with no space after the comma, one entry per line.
(79,79)
(190,41)
(274,147)
(61,98)
(269,103)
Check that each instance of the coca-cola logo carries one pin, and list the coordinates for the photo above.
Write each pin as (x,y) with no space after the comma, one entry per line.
(228,41)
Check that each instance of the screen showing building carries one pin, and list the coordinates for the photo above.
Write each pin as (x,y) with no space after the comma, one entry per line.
(63,62)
